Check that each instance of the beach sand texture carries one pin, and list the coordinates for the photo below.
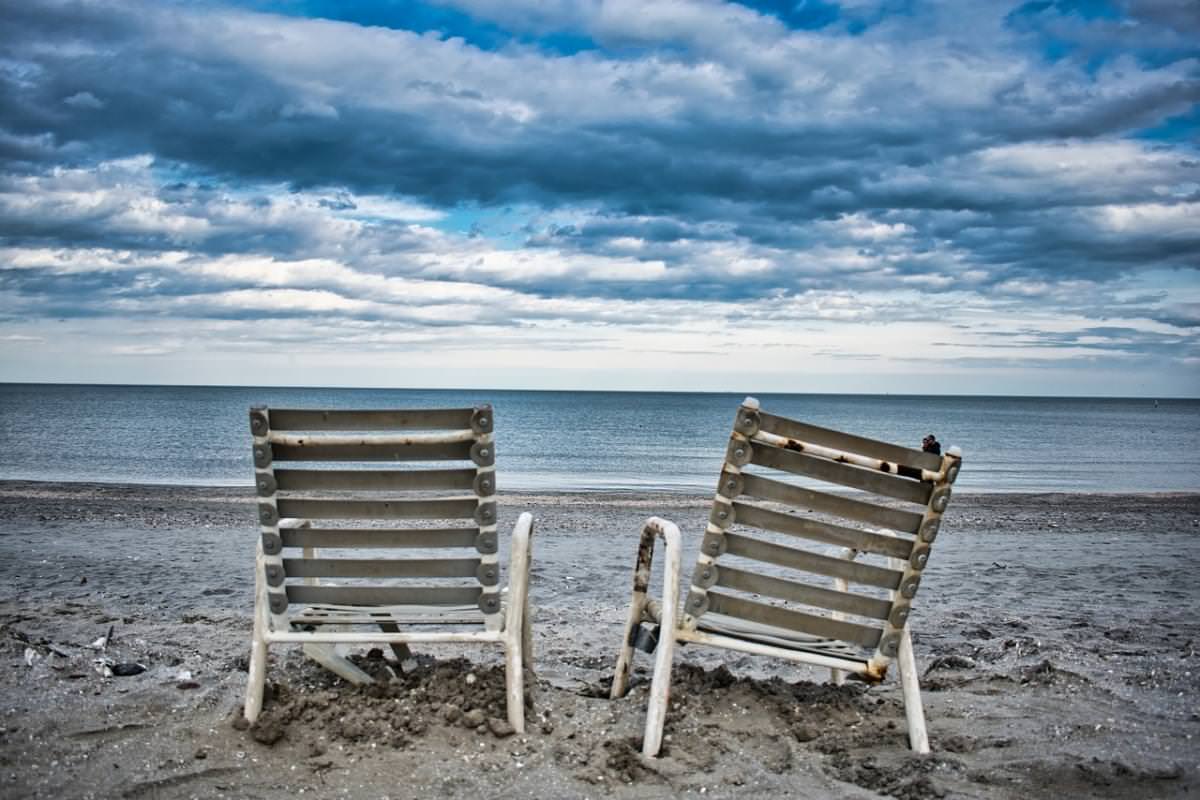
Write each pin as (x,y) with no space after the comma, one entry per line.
(1057,635)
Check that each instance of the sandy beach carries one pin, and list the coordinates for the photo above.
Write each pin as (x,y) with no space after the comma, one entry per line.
(1057,635)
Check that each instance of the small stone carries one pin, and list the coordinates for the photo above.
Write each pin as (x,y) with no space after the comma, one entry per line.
(474,718)
(200,755)
(500,728)
(805,733)
(470,679)
(127,669)
(451,713)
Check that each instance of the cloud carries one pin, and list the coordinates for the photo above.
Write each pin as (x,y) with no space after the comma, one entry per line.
(668,165)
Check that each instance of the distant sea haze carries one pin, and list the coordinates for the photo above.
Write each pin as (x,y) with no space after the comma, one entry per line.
(631,441)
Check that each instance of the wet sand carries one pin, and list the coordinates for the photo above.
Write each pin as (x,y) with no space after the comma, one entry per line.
(1057,635)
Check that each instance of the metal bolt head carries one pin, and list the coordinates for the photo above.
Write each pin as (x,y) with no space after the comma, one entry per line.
(483,451)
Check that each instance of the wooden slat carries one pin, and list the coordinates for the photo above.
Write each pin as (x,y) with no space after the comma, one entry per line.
(787,619)
(782,426)
(816,596)
(380,567)
(319,616)
(447,508)
(768,489)
(384,595)
(780,556)
(374,480)
(455,451)
(824,532)
(283,419)
(379,537)
(855,477)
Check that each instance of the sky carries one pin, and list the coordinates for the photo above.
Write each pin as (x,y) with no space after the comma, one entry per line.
(866,196)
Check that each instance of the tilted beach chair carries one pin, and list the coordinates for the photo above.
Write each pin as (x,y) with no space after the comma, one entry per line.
(332,567)
(763,582)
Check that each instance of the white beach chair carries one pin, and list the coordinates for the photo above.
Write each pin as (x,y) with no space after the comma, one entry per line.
(345,580)
(757,585)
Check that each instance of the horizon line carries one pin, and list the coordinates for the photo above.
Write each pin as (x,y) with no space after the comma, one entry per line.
(590,391)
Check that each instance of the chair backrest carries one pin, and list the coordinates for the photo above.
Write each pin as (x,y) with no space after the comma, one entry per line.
(763,542)
(335,483)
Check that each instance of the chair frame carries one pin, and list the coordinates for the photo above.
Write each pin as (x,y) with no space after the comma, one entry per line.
(682,628)
(509,627)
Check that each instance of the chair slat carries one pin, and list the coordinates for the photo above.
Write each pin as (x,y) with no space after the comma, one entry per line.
(790,620)
(374,480)
(325,615)
(379,537)
(769,489)
(782,426)
(384,595)
(453,451)
(824,532)
(447,508)
(780,556)
(380,567)
(349,420)
(832,472)
(816,596)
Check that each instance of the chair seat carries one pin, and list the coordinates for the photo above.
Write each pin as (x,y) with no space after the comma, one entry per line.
(394,615)
(789,640)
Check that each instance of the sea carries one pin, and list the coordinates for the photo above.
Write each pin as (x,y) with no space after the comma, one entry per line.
(605,441)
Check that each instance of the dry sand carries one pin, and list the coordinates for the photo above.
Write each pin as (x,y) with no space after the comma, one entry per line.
(1057,633)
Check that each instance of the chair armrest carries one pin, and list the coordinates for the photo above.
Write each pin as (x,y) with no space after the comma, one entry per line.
(668,610)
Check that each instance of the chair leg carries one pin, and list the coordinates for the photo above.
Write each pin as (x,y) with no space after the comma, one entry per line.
(660,686)
(517,631)
(918,738)
(400,650)
(620,682)
(256,682)
(328,657)
(660,693)
(514,681)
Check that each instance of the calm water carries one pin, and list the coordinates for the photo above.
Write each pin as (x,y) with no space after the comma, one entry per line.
(605,440)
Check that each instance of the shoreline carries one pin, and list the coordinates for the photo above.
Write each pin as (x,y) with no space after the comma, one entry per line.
(1054,634)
